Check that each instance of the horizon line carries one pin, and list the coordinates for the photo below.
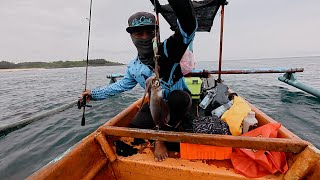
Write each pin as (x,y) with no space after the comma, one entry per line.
(195,60)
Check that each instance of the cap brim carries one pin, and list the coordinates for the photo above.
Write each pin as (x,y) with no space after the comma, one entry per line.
(140,28)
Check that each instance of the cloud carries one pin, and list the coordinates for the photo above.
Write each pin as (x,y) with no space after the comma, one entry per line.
(38,30)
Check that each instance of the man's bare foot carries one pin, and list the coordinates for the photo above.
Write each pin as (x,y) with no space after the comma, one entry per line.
(160,151)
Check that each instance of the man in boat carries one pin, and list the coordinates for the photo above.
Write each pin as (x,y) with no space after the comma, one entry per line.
(142,28)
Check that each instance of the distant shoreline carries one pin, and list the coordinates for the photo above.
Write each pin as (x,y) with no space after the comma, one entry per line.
(8,66)
(22,69)
(38,69)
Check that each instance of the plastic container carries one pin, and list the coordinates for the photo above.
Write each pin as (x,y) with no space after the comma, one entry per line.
(209,83)
(198,151)
(221,109)
(194,85)
(250,122)
(206,100)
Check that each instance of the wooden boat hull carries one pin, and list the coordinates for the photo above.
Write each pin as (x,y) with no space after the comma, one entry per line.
(94,157)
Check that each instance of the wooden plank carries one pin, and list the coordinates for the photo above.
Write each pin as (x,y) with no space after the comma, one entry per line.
(105,147)
(305,164)
(271,144)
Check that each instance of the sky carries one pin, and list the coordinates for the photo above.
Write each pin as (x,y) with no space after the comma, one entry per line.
(43,30)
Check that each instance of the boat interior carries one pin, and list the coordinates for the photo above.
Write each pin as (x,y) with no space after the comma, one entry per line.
(95,156)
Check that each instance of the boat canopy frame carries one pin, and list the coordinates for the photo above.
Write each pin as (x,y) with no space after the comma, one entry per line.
(205,12)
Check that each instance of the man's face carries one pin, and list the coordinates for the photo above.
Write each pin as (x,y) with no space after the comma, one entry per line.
(144,34)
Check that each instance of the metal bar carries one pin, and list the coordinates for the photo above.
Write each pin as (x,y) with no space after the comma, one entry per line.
(221,41)
(257,71)
(199,73)
(233,71)
(271,144)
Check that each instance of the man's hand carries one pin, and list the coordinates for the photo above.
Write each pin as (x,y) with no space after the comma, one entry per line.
(86,94)
(83,102)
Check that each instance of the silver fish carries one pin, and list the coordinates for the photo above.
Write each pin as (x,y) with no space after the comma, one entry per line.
(158,107)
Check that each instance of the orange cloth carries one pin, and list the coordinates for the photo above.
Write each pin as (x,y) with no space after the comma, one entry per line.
(258,163)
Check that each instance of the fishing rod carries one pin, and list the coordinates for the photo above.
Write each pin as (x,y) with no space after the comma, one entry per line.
(83,102)
(221,41)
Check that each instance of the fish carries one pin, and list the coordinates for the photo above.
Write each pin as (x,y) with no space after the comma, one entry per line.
(158,107)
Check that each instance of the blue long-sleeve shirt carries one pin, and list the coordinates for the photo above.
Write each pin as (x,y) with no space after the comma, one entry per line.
(170,51)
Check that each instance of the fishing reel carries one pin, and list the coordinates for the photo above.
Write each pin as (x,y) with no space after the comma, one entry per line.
(82,102)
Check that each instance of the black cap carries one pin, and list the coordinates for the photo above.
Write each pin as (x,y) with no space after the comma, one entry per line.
(141,21)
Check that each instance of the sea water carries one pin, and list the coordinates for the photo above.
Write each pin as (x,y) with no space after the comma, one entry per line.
(26,93)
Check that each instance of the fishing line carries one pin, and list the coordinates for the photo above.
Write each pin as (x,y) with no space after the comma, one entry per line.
(127,46)
(155,24)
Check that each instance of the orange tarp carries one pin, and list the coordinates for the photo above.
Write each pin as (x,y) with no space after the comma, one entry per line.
(257,163)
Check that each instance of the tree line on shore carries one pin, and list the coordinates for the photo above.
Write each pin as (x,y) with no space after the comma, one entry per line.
(57,64)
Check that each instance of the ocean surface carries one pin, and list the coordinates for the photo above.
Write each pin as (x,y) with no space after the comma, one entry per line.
(23,94)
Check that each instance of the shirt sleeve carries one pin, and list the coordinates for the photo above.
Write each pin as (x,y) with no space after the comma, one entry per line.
(175,46)
(125,84)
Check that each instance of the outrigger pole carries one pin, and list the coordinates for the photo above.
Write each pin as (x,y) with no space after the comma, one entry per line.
(205,73)
(290,78)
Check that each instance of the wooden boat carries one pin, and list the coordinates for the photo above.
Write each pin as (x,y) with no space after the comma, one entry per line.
(94,157)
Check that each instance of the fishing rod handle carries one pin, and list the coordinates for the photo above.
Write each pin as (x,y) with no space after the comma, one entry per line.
(83,120)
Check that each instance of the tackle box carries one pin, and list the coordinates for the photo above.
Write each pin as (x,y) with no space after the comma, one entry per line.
(194,85)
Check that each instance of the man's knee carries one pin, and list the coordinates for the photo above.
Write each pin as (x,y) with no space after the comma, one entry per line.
(143,119)
(179,101)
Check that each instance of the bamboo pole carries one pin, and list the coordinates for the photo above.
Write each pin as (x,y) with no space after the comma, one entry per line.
(271,144)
